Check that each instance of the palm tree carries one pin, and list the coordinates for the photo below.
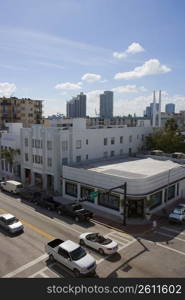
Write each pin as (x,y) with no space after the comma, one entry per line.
(10,155)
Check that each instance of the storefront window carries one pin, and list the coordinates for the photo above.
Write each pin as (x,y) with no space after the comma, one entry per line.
(155,200)
(85,192)
(171,193)
(71,189)
(111,202)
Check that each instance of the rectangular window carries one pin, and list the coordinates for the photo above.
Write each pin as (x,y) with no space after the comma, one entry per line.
(78,158)
(111,202)
(138,137)
(105,154)
(142,137)
(2,164)
(64,146)
(171,193)
(87,142)
(130,139)
(26,157)
(112,153)
(78,144)
(178,189)
(112,141)
(155,200)
(49,162)
(65,161)
(26,142)
(121,139)
(33,158)
(49,145)
(105,141)
(33,143)
(87,157)
(71,189)
(85,193)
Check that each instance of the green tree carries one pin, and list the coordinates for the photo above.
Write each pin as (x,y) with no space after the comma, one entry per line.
(171,125)
(10,156)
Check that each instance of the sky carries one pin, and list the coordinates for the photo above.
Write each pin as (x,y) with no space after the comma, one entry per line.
(54,49)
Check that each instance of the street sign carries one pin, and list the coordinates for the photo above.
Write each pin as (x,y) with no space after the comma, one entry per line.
(93,195)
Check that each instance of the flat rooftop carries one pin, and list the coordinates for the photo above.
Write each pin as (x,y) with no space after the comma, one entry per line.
(130,167)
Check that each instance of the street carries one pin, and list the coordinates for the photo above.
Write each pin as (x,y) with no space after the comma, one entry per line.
(155,254)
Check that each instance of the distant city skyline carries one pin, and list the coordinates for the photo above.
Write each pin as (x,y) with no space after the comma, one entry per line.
(47,55)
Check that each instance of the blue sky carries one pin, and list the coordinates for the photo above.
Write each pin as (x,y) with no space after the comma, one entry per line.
(54,49)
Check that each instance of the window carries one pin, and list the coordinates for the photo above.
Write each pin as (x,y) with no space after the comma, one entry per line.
(105,154)
(2,164)
(85,193)
(26,157)
(87,157)
(78,158)
(121,151)
(71,189)
(171,193)
(121,139)
(49,162)
(33,158)
(142,137)
(87,142)
(130,139)
(26,142)
(65,161)
(64,146)
(105,141)
(138,137)
(49,145)
(33,143)
(178,189)
(155,200)
(78,144)
(112,141)
(111,202)
(112,153)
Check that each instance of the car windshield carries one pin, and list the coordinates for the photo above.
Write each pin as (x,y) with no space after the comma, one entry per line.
(178,211)
(20,186)
(77,253)
(11,221)
(77,207)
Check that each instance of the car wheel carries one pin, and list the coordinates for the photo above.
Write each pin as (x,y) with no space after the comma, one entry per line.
(82,243)
(76,273)
(101,251)
(51,258)
(77,219)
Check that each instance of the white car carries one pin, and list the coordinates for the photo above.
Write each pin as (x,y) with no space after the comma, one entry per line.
(10,223)
(98,242)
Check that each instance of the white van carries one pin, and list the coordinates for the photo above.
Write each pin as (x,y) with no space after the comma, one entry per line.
(11,186)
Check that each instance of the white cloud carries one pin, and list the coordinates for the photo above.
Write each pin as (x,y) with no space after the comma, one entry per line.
(7,89)
(93,102)
(68,86)
(129,89)
(150,67)
(132,49)
(91,77)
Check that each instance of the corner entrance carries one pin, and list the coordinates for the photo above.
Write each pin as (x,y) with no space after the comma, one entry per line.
(136,208)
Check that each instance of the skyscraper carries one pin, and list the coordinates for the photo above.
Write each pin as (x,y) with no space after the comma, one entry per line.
(106,104)
(170,108)
(76,108)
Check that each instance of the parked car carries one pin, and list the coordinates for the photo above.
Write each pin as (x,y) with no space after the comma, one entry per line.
(98,242)
(10,223)
(47,202)
(71,255)
(29,194)
(11,186)
(178,214)
(75,210)
(157,152)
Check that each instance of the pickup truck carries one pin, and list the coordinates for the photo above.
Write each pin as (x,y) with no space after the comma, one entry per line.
(75,210)
(178,214)
(71,255)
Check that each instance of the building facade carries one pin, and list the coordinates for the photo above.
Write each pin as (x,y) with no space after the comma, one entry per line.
(25,111)
(76,108)
(106,104)
(170,108)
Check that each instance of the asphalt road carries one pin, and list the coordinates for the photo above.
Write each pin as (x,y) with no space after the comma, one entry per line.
(157,254)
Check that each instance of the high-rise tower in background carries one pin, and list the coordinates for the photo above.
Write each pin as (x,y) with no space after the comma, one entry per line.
(76,108)
(106,104)
(170,108)
(156,111)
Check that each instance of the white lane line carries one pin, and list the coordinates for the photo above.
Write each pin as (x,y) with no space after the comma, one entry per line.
(26,266)
(124,236)
(44,275)
(116,238)
(169,235)
(38,272)
(174,250)
(172,230)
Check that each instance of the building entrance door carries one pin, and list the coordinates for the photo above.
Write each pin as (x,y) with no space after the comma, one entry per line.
(136,208)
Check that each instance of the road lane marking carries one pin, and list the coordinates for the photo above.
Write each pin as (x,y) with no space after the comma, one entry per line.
(40,272)
(169,235)
(38,230)
(174,250)
(26,266)
(172,230)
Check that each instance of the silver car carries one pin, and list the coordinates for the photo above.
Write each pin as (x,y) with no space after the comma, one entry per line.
(178,214)
(10,223)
